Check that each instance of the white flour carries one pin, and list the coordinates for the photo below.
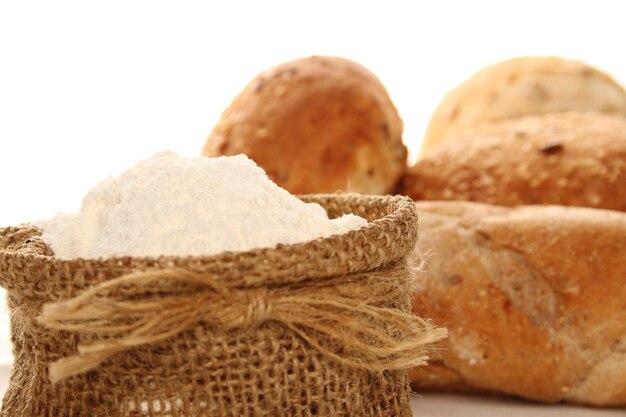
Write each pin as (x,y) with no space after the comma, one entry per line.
(167,205)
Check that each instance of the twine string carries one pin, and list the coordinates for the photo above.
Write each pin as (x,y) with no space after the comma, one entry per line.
(148,307)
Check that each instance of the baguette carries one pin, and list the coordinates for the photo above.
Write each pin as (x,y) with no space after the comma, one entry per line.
(534,299)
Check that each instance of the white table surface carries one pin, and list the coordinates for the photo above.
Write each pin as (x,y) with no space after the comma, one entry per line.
(444,405)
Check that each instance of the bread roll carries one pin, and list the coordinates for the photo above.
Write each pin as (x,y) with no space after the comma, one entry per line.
(316,125)
(520,87)
(534,300)
(574,159)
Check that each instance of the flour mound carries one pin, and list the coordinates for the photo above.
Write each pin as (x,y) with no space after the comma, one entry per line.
(168,205)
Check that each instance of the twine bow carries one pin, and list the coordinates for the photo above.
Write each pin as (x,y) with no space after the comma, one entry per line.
(145,308)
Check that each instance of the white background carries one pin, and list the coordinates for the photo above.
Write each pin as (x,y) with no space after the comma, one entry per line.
(89,88)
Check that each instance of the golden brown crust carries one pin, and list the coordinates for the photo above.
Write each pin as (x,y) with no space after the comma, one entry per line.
(519,87)
(316,124)
(574,159)
(533,299)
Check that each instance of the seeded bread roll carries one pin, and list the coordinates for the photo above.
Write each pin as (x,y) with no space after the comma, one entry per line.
(520,87)
(533,299)
(316,125)
(573,159)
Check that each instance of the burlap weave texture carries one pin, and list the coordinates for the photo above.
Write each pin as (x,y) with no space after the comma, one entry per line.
(258,368)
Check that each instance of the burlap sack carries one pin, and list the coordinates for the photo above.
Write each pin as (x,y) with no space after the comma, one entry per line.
(315,329)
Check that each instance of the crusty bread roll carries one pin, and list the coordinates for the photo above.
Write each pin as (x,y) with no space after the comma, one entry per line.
(534,299)
(519,87)
(316,125)
(574,159)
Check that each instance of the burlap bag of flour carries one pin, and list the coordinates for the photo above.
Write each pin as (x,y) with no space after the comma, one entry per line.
(321,328)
